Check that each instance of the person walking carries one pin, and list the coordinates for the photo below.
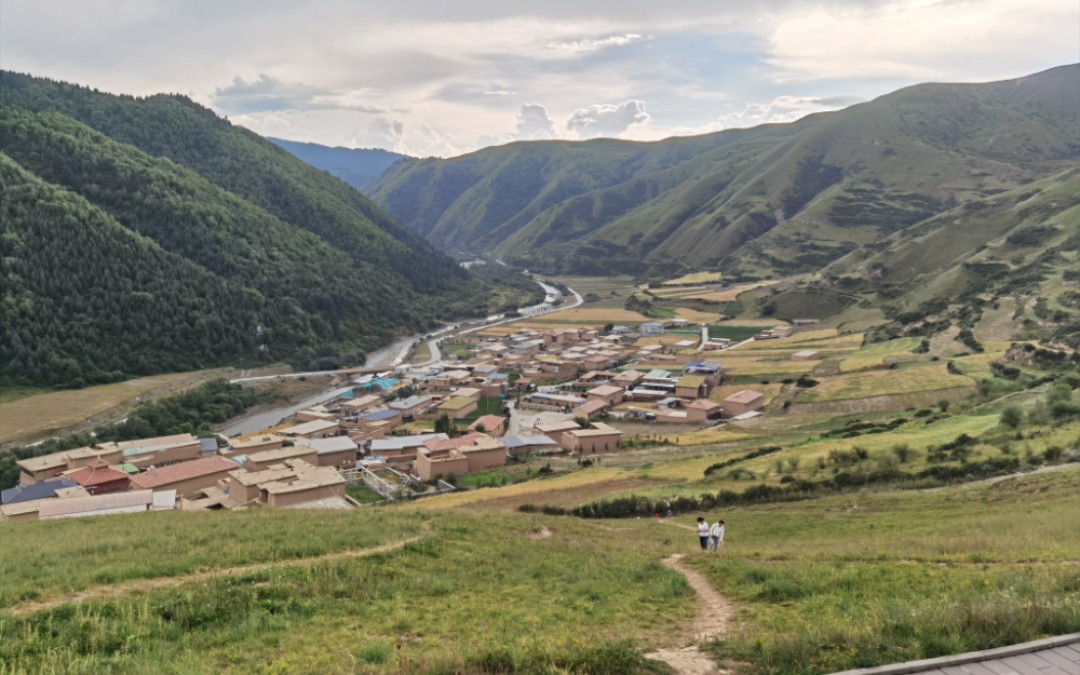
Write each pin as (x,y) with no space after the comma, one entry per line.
(703,533)
(716,536)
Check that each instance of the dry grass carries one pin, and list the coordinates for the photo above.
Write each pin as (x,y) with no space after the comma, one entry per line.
(595,476)
(731,294)
(695,316)
(877,354)
(695,278)
(932,377)
(770,390)
(711,436)
(40,415)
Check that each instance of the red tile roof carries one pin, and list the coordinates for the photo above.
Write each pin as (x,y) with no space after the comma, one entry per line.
(490,422)
(97,472)
(175,473)
(438,445)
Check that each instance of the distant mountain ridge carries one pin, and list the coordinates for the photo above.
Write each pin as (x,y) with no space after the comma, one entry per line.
(355,166)
(774,199)
(147,234)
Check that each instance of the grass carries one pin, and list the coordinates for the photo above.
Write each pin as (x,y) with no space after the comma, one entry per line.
(34,416)
(862,580)
(929,377)
(695,278)
(582,600)
(735,333)
(14,393)
(877,354)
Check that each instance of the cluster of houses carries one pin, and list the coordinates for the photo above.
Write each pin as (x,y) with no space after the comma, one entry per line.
(391,420)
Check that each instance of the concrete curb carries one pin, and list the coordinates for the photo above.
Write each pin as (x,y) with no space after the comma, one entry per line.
(969,657)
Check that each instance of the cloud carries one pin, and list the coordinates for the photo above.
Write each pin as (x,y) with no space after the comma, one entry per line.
(591,44)
(534,123)
(606,119)
(267,94)
(387,132)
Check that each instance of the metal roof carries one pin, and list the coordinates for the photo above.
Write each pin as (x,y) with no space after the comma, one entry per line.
(380,415)
(527,439)
(46,490)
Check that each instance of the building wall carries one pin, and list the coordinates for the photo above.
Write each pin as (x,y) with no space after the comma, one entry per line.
(301,496)
(596,445)
(192,486)
(346,459)
(427,469)
(479,460)
(118,485)
(464,411)
(734,409)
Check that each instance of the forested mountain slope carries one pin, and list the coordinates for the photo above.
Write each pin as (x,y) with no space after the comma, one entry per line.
(245,253)
(773,199)
(355,166)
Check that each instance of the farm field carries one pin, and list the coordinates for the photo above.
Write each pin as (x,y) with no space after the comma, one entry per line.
(878,354)
(929,377)
(695,278)
(32,417)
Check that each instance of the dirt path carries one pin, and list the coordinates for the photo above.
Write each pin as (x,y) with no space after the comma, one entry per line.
(714,614)
(147,585)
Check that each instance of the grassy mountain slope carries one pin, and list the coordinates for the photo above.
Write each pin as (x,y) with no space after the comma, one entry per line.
(357,167)
(313,268)
(774,199)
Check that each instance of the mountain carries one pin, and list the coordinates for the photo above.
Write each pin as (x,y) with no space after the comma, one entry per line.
(147,234)
(771,200)
(357,167)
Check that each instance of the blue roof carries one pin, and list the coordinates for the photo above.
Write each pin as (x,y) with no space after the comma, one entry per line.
(499,376)
(512,442)
(24,493)
(380,415)
(384,383)
(208,444)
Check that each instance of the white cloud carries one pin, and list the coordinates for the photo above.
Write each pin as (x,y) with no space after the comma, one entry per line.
(534,123)
(925,39)
(592,44)
(606,119)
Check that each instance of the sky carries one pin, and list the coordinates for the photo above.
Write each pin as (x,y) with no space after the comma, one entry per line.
(440,78)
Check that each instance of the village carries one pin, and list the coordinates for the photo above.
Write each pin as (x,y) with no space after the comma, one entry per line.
(410,431)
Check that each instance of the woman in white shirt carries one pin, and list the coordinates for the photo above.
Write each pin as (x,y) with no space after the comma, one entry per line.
(703,533)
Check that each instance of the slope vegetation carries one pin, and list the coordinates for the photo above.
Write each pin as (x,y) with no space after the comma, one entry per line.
(357,167)
(144,235)
(776,198)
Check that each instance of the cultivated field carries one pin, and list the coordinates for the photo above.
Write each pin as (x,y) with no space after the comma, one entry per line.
(33,417)
(920,378)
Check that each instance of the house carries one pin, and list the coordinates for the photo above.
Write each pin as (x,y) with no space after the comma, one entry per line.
(628,379)
(445,458)
(703,410)
(401,449)
(313,429)
(310,483)
(610,394)
(413,406)
(387,419)
(254,444)
(43,490)
(136,501)
(493,425)
(263,460)
(141,452)
(555,430)
(187,478)
(712,371)
(467,392)
(620,330)
(692,387)
(340,451)
(359,405)
(530,444)
(99,478)
(743,402)
(806,355)
(592,409)
(561,401)
(597,377)
(716,344)
(458,407)
(317,413)
(652,329)
(598,439)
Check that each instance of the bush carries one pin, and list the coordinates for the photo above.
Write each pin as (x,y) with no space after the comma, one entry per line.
(1012,417)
